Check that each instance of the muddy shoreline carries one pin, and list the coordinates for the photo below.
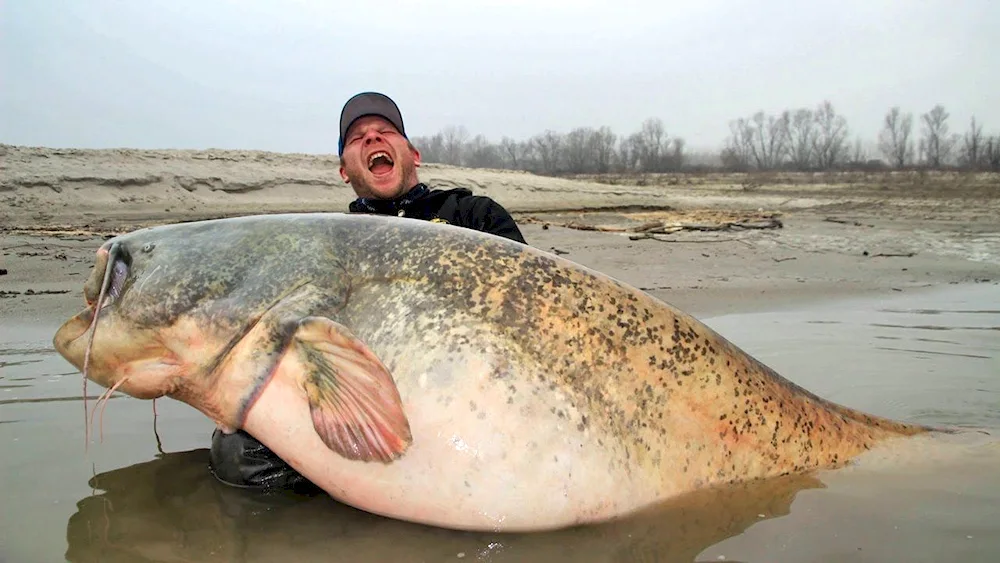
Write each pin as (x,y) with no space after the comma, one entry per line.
(838,234)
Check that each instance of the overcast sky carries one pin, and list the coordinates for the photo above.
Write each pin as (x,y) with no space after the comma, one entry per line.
(273,75)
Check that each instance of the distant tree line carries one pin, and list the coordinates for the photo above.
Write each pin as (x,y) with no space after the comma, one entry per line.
(804,139)
(580,151)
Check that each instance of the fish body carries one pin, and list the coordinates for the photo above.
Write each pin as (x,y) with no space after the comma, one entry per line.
(445,376)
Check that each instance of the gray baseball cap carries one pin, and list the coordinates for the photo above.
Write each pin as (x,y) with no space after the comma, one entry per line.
(368,103)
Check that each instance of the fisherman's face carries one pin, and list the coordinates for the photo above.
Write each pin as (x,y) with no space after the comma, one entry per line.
(378,161)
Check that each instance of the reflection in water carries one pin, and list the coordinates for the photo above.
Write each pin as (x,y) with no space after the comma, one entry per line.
(172,509)
(21,363)
(935,327)
(917,351)
(53,399)
(941,311)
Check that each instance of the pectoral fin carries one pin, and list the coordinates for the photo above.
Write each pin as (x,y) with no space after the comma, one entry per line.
(355,405)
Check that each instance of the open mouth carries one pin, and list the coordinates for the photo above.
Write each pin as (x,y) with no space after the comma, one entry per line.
(103,290)
(380,163)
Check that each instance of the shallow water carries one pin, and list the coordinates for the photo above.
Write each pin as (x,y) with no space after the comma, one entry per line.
(930,357)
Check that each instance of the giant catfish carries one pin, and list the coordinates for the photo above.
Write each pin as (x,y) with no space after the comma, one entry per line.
(445,376)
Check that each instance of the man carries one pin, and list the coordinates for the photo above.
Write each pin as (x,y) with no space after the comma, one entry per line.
(380,163)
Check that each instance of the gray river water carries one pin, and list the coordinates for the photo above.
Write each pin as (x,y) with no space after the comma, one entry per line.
(145,494)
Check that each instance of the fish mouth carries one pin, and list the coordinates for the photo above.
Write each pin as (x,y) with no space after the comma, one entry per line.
(69,339)
(105,285)
(107,279)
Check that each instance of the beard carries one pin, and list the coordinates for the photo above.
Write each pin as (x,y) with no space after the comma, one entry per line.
(362,181)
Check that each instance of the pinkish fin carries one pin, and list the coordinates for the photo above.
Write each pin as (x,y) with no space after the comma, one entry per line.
(355,406)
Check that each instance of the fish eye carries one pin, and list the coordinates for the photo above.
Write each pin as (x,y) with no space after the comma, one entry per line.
(148,247)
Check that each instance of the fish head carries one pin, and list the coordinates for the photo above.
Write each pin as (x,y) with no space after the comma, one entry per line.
(209,313)
(170,308)
(111,340)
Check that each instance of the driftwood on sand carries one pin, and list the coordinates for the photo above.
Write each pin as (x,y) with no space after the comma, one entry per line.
(771,223)
(656,229)
(646,230)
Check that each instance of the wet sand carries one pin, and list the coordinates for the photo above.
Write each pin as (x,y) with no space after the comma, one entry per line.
(879,295)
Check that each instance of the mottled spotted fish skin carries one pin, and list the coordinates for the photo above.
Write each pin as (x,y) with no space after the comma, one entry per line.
(671,392)
(496,339)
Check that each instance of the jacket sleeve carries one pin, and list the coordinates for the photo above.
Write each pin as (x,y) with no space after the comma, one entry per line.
(491,217)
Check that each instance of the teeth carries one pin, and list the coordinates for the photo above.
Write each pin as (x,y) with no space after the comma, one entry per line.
(374,155)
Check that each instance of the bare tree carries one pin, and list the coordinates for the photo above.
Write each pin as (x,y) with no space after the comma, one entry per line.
(651,143)
(972,147)
(454,144)
(830,143)
(480,153)
(936,145)
(431,148)
(766,137)
(509,152)
(802,139)
(528,156)
(548,147)
(894,139)
(628,153)
(576,150)
(603,148)
(676,158)
(859,154)
(736,151)
(990,154)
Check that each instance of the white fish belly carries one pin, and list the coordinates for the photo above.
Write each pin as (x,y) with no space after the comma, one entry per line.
(481,458)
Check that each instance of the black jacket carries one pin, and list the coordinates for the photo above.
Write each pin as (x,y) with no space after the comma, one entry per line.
(455,206)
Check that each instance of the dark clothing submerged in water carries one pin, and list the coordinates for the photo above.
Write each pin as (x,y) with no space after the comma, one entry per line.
(240,460)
